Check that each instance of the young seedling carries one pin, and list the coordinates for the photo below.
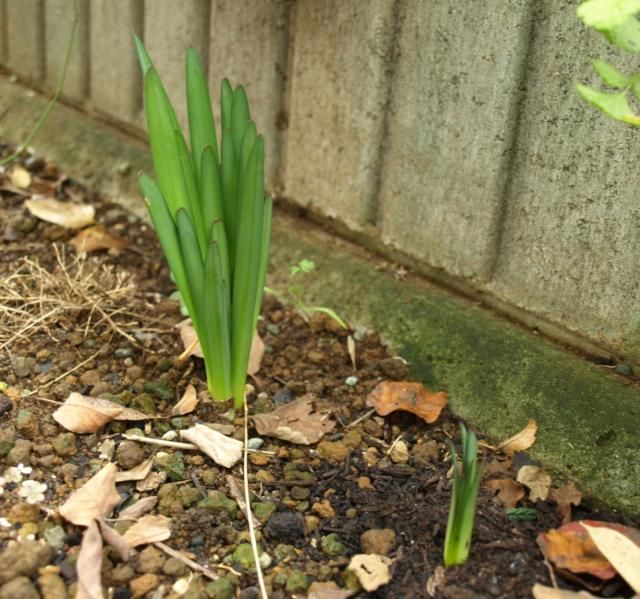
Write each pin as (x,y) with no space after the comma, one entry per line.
(293,294)
(466,482)
(211,216)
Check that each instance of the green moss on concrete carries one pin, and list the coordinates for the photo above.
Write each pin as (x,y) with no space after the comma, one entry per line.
(497,375)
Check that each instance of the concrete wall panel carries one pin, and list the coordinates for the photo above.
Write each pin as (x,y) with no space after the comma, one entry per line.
(3,32)
(25,38)
(249,46)
(571,236)
(116,81)
(167,35)
(338,89)
(58,21)
(454,107)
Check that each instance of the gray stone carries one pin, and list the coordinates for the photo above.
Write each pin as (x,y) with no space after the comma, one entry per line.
(19,588)
(23,559)
(7,440)
(20,453)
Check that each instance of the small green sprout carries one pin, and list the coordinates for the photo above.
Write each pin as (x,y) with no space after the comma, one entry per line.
(293,295)
(466,483)
(212,218)
(522,514)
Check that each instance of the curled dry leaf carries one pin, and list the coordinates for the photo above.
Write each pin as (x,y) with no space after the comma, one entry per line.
(508,491)
(221,449)
(115,539)
(149,529)
(187,403)
(139,508)
(571,547)
(94,500)
(372,570)
(140,472)
(327,590)
(89,564)
(20,177)
(351,348)
(540,591)
(623,554)
(390,396)
(520,441)
(84,414)
(565,497)
(97,238)
(295,422)
(65,214)
(536,480)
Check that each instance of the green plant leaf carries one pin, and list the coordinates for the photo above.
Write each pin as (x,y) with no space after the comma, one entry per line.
(143,55)
(607,14)
(193,264)
(240,117)
(210,188)
(264,254)
(625,36)
(202,129)
(226,100)
(609,74)
(614,105)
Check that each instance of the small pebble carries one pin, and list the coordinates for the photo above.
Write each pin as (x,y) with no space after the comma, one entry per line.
(352,381)
(254,443)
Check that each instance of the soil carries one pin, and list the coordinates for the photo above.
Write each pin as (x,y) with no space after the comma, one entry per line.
(102,325)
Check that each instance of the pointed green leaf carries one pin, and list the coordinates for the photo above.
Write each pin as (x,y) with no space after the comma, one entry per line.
(167,234)
(239,117)
(219,236)
(226,100)
(625,36)
(143,56)
(202,128)
(609,74)
(614,105)
(193,264)
(265,240)
(229,191)
(210,188)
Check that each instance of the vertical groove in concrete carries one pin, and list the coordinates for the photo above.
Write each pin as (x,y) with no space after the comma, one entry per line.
(3,32)
(514,117)
(25,39)
(373,214)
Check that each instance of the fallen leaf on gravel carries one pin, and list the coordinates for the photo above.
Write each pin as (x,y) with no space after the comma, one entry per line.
(570,547)
(565,497)
(221,449)
(84,414)
(97,238)
(65,214)
(116,540)
(139,508)
(89,564)
(327,590)
(256,355)
(497,466)
(623,554)
(187,403)
(520,441)
(536,480)
(151,482)
(372,570)
(390,396)
(94,500)
(351,348)
(149,529)
(20,177)
(542,592)
(295,422)
(140,472)
(508,491)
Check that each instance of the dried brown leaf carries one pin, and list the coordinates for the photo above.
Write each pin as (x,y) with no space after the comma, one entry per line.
(571,547)
(116,540)
(97,238)
(139,508)
(540,591)
(94,500)
(295,422)
(520,441)
(89,564)
(327,590)
(221,449)
(65,214)
(149,529)
(84,414)
(371,570)
(508,491)
(187,403)
(140,472)
(256,354)
(351,348)
(536,480)
(565,497)
(151,482)
(390,396)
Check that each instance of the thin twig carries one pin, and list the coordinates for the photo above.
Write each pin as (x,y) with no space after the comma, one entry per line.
(185,560)
(361,418)
(162,442)
(247,499)
(236,491)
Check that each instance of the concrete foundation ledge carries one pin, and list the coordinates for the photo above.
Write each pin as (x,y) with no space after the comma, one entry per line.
(498,375)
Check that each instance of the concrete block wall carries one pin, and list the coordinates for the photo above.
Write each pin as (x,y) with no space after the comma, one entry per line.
(446,133)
